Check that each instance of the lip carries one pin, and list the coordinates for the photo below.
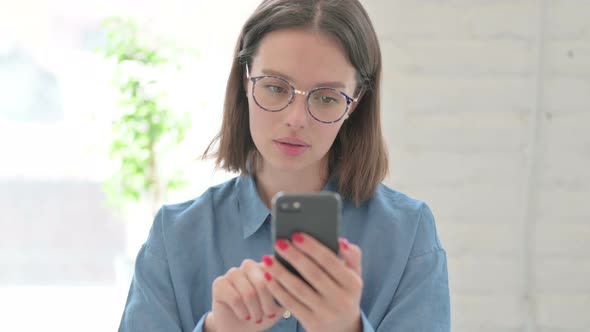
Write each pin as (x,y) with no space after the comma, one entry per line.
(292,141)
(291,146)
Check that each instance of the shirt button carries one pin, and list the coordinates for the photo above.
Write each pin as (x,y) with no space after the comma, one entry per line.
(286,314)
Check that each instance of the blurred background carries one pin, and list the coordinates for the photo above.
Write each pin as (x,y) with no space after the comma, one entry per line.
(486,109)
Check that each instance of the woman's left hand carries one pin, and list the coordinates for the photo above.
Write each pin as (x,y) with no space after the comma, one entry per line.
(333,304)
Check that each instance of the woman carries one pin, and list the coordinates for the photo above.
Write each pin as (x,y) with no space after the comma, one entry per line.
(301,115)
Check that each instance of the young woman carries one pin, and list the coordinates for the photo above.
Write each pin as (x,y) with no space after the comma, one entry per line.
(301,115)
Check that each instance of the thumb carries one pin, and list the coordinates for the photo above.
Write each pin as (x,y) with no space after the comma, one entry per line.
(351,254)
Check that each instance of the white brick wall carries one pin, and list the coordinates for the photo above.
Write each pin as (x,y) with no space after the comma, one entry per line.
(463,83)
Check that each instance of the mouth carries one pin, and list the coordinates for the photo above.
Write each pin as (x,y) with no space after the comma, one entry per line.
(290,148)
(292,142)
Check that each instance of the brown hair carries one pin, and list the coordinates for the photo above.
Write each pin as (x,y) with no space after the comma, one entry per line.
(358,157)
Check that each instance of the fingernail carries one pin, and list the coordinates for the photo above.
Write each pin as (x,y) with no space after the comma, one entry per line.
(259,321)
(297,237)
(272,316)
(282,244)
(267,276)
(248,318)
(267,260)
(344,243)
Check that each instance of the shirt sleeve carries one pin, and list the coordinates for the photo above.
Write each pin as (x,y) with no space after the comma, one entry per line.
(422,301)
(151,303)
(201,324)
(367,327)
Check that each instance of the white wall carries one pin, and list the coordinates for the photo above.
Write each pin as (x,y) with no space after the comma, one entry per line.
(486,108)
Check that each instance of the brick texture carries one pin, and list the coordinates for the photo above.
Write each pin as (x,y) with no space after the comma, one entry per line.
(486,109)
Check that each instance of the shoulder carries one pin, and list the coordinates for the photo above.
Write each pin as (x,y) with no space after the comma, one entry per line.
(392,206)
(177,225)
(411,216)
(390,199)
(200,208)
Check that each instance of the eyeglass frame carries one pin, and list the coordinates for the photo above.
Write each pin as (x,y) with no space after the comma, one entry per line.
(349,100)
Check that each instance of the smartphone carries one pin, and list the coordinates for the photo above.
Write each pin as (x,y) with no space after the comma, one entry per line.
(316,214)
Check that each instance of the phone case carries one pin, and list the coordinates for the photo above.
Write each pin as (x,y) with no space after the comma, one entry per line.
(316,214)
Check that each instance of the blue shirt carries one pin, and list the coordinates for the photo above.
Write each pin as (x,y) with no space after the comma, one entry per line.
(190,244)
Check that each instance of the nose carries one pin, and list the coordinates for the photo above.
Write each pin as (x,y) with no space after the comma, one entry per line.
(297,116)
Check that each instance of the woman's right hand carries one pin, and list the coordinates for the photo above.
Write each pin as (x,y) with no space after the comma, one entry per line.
(241,301)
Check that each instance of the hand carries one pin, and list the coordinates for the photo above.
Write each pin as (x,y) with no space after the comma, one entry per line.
(241,301)
(332,303)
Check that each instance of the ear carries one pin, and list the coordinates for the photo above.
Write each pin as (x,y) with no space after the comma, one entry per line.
(354,104)
(245,84)
(245,79)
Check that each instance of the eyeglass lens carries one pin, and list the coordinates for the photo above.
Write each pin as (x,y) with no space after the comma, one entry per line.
(274,94)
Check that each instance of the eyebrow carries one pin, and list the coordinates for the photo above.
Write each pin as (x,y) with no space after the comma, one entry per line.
(323,84)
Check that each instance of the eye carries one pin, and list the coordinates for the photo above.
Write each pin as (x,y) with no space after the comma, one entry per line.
(274,88)
(328,100)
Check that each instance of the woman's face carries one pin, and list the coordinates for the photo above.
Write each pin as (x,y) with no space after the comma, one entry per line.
(292,140)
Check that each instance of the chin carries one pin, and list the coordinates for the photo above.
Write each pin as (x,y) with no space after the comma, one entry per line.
(288,165)
(294,164)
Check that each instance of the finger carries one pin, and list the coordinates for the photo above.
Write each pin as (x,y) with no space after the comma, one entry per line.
(301,311)
(314,274)
(249,294)
(351,254)
(225,294)
(292,283)
(325,258)
(255,274)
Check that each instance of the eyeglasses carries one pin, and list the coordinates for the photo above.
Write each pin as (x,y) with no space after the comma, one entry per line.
(274,94)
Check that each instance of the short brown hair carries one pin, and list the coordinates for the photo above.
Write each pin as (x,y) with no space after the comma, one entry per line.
(358,157)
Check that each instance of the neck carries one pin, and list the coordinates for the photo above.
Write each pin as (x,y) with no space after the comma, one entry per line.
(271,181)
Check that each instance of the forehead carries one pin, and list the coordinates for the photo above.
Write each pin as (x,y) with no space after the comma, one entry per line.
(305,56)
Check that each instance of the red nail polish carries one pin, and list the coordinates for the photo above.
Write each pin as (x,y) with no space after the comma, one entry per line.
(297,237)
(272,316)
(259,321)
(344,243)
(282,244)
(267,260)
(267,276)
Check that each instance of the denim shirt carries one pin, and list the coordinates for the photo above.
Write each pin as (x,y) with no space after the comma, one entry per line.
(404,266)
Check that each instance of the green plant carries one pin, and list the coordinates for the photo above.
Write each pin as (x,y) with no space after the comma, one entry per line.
(146,128)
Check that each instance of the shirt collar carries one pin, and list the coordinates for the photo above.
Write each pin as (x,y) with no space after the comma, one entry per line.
(252,210)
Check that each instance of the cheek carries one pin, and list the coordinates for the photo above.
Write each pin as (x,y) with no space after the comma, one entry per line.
(326,134)
(254,122)
(260,122)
